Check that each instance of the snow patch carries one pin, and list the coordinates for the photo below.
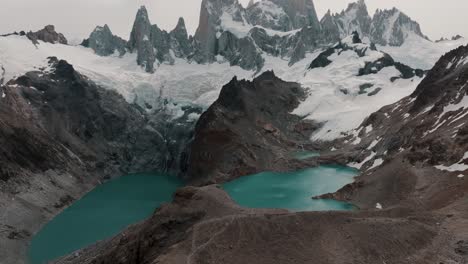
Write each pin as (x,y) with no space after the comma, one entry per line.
(420,53)
(459,166)
(373,144)
(359,165)
(376,164)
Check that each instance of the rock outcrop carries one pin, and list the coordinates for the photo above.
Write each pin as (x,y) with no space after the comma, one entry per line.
(47,34)
(181,43)
(381,60)
(240,134)
(140,40)
(104,43)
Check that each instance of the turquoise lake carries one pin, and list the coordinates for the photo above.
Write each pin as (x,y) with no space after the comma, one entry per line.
(292,190)
(111,207)
(102,213)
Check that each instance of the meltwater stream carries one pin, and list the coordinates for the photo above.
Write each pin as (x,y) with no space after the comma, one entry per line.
(111,207)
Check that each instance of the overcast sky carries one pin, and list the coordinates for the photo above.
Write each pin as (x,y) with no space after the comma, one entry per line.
(77,18)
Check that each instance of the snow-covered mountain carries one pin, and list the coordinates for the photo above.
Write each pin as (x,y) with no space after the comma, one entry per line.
(245,36)
(387,27)
(358,77)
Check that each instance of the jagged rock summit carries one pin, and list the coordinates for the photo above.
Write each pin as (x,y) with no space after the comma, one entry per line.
(47,34)
(243,36)
(387,27)
(104,43)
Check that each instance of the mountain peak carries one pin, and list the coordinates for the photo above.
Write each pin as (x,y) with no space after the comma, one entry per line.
(301,12)
(392,27)
(360,4)
(47,34)
(180,24)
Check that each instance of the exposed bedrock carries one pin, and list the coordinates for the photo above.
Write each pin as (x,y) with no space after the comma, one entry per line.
(248,129)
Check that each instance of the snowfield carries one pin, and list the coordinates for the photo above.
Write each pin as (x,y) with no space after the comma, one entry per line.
(333,100)
(421,53)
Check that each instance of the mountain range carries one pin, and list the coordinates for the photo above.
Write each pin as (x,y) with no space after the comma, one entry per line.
(251,86)
(243,36)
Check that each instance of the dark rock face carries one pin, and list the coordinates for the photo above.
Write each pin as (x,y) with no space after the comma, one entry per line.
(140,40)
(94,123)
(241,134)
(240,51)
(370,67)
(210,19)
(283,15)
(104,43)
(444,81)
(47,34)
(155,45)
(180,42)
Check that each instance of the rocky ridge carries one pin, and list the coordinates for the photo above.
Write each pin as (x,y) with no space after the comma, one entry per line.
(387,27)
(241,135)
(382,59)
(244,36)
(47,34)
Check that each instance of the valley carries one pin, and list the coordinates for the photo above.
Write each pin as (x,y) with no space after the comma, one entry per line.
(269,136)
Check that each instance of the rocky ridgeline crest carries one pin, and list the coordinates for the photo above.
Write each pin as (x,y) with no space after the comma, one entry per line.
(47,34)
(244,35)
(104,43)
(149,42)
(387,27)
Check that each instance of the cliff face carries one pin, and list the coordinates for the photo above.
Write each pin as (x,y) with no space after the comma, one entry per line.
(61,135)
(240,134)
